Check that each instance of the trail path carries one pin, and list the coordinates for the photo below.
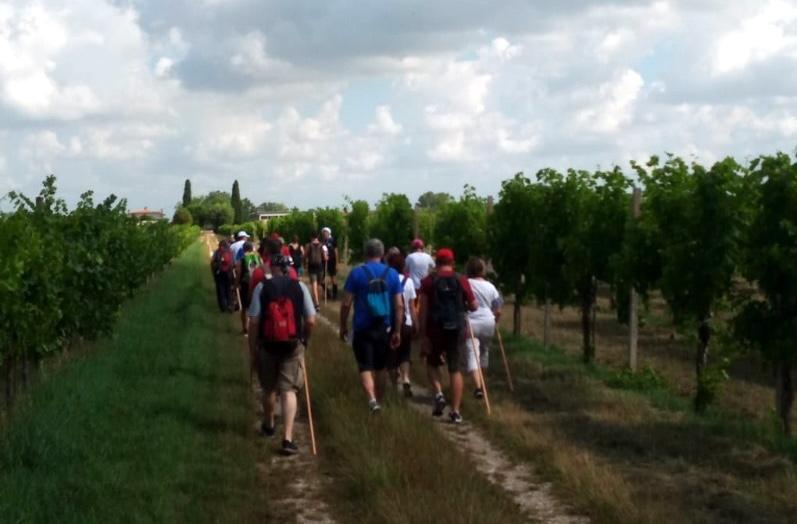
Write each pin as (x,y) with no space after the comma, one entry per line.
(304,482)
(533,496)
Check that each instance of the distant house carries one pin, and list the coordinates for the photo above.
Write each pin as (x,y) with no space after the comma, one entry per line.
(147,215)
(265,216)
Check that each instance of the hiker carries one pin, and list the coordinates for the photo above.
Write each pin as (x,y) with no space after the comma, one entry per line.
(297,254)
(482,321)
(315,265)
(445,295)
(281,317)
(398,362)
(249,262)
(375,290)
(237,246)
(419,263)
(331,262)
(221,264)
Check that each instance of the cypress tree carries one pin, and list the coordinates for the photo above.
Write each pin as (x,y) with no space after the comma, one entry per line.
(187,193)
(235,200)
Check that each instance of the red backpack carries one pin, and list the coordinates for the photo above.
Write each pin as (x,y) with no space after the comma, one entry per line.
(226,260)
(281,302)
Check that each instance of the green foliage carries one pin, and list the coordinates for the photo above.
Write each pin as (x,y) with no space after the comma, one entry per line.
(273,207)
(393,220)
(427,220)
(212,211)
(182,217)
(461,225)
(433,201)
(334,219)
(300,223)
(65,274)
(646,379)
(235,202)
(187,193)
(357,222)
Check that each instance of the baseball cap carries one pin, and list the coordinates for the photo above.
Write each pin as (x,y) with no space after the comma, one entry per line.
(242,234)
(327,230)
(445,256)
(417,244)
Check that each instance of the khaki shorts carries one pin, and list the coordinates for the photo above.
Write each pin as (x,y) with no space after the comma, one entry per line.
(281,370)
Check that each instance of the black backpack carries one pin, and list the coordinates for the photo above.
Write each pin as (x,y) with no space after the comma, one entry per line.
(448,308)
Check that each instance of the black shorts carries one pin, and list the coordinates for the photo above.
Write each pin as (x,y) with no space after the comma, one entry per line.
(314,271)
(332,268)
(398,356)
(371,347)
(445,343)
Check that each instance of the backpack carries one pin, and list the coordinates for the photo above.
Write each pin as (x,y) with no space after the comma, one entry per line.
(448,308)
(248,264)
(215,262)
(225,260)
(316,256)
(281,302)
(378,298)
(296,256)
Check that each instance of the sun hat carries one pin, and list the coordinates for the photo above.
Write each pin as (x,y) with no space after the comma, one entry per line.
(327,230)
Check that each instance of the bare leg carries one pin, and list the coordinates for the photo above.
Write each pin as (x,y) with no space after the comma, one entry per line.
(475,376)
(404,372)
(288,400)
(269,401)
(367,380)
(433,372)
(456,390)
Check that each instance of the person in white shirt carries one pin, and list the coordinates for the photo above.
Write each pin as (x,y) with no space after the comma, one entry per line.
(398,365)
(237,246)
(482,321)
(418,263)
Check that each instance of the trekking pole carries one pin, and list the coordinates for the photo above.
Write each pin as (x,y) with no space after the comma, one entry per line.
(307,399)
(506,363)
(479,367)
(324,283)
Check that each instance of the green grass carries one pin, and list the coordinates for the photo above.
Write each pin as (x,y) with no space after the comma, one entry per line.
(153,424)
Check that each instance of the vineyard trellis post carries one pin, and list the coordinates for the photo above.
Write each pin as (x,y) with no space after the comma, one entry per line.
(633,317)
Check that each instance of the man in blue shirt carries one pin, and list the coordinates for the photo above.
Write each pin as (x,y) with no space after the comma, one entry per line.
(376,330)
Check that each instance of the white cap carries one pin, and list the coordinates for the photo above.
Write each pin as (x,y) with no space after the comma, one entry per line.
(243,234)
(328,231)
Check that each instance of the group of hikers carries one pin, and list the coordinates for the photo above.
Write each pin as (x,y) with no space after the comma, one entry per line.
(395,299)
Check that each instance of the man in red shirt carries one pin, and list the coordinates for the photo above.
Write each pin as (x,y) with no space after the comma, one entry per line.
(445,297)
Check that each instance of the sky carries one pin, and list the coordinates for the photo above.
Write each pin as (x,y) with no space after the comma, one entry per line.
(309,102)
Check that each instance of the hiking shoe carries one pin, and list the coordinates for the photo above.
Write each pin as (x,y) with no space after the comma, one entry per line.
(317,308)
(478,393)
(455,417)
(374,406)
(289,448)
(439,405)
(407,390)
(266,430)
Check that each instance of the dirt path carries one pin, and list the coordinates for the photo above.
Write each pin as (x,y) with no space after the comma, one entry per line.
(534,497)
(304,484)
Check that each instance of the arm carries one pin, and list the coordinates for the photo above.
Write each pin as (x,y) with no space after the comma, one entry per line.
(398,320)
(345,307)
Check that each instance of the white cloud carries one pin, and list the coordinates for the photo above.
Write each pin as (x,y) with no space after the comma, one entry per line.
(613,104)
(384,122)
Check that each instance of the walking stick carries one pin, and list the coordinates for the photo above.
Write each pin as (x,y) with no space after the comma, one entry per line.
(506,363)
(479,367)
(324,283)
(307,399)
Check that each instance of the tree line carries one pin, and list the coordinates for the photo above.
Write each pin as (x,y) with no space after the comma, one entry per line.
(65,273)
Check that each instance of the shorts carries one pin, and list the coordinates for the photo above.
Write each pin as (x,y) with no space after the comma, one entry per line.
(332,268)
(371,347)
(314,272)
(396,357)
(280,370)
(447,344)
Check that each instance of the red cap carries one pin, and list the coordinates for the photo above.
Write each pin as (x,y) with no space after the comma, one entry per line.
(417,244)
(275,236)
(445,256)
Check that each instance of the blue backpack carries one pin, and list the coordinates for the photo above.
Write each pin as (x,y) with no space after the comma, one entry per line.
(378,294)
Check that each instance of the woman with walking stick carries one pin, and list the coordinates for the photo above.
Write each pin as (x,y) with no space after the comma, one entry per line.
(482,321)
